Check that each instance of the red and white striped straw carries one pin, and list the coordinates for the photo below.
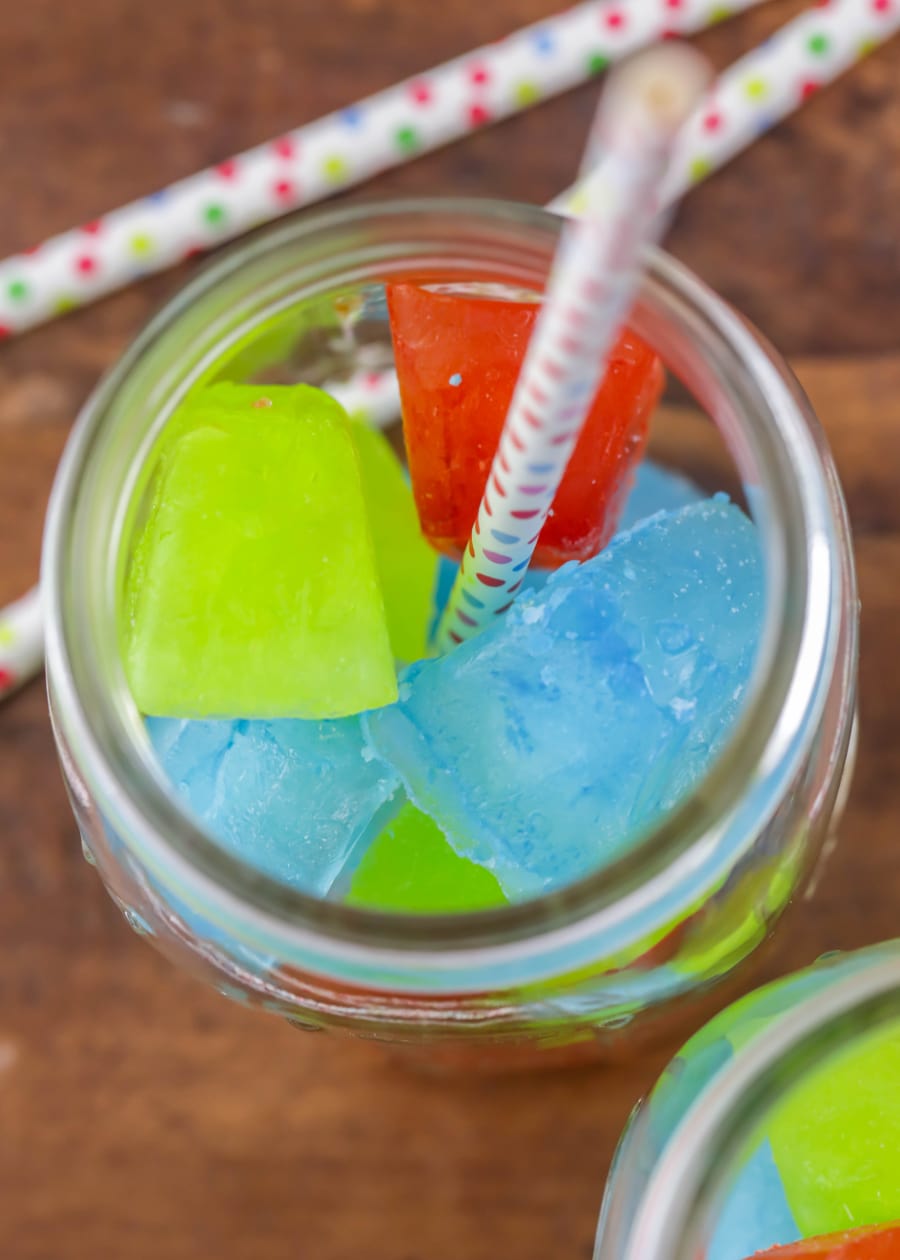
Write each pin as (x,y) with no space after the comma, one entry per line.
(591,285)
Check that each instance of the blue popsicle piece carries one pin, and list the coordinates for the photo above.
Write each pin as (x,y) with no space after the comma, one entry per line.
(755,1215)
(295,799)
(657,489)
(546,743)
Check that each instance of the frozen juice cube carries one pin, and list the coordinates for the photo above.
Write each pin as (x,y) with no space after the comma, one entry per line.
(755,1213)
(880,1243)
(836,1139)
(292,798)
(458,357)
(656,489)
(253,589)
(273,349)
(546,742)
(407,565)
(412,867)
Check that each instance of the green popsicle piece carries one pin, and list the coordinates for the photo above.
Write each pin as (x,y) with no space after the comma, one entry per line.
(253,589)
(410,866)
(836,1139)
(407,565)
(276,344)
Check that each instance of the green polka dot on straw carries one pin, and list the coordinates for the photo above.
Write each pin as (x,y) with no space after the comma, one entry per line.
(17,290)
(407,139)
(597,63)
(818,44)
(214,214)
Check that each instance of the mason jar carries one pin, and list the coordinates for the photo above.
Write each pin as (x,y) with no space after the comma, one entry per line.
(585,966)
(778,1121)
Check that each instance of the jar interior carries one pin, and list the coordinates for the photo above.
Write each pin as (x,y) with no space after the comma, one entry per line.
(304,304)
(338,339)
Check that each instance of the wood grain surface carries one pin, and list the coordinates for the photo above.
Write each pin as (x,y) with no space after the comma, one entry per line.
(141,1115)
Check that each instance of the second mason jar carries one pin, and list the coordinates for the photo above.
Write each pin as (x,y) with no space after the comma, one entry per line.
(776,1125)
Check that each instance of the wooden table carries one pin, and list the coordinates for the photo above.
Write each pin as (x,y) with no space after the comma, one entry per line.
(140,1114)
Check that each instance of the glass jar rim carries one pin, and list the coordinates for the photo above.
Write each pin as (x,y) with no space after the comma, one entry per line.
(798,646)
(679,1198)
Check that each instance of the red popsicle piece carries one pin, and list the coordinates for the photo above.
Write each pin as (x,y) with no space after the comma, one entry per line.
(458,357)
(880,1242)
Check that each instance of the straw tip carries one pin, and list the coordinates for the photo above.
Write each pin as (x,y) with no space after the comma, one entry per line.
(662,85)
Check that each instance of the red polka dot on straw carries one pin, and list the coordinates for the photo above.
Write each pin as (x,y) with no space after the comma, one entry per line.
(86,264)
(284,147)
(227,170)
(421,92)
(478,115)
(285,189)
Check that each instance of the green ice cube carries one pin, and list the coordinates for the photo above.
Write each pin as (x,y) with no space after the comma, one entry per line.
(407,565)
(253,589)
(411,867)
(836,1139)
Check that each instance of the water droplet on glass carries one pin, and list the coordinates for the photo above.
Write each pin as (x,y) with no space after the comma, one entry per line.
(137,922)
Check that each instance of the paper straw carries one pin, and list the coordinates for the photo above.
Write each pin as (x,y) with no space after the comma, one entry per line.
(336,152)
(773,80)
(21,642)
(767,85)
(589,290)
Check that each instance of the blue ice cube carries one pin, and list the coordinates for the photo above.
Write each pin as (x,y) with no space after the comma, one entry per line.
(755,1215)
(294,799)
(550,741)
(657,489)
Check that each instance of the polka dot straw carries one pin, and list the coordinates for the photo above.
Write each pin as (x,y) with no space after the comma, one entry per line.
(764,87)
(775,79)
(21,642)
(337,151)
